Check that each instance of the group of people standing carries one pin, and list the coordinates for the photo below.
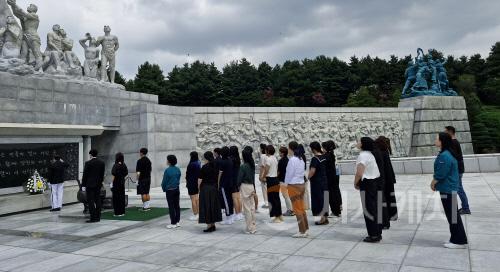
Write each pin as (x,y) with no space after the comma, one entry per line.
(375,180)
(226,181)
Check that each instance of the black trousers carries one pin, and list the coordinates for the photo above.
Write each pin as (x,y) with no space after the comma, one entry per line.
(457,230)
(335,196)
(273,196)
(94,202)
(385,204)
(371,206)
(390,196)
(173,205)
(118,199)
(226,198)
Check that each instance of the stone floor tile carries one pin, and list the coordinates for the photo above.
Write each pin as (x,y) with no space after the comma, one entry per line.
(353,266)
(252,261)
(281,245)
(438,257)
(378,253)
(103,248)
(92,264)
(309,264)
(485,261)
(171,255)
(53,264)
(209,258)
(326,249)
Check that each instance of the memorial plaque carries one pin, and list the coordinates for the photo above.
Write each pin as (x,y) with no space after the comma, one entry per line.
(19,161)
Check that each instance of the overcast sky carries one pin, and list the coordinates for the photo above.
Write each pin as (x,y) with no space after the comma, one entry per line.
(173,32)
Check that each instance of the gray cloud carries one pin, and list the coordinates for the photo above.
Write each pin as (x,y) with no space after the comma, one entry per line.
(172,32)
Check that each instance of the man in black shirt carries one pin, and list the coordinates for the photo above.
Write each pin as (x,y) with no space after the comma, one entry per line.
(461,169)
(93,177)
(143,170)
(56,179)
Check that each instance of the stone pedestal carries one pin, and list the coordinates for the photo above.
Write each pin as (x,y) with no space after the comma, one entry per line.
(432,115)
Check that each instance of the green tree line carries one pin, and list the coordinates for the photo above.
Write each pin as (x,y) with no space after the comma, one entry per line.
(326,82)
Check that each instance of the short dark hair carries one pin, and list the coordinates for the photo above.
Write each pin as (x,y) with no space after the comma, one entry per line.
(143,151)
(93,152)
(217,150)
(451,129)
(263,148)
(367,144)
(172,160)
(119,157)
(329,146)
(248,148)
(270,150)
(283,150)
(316,146)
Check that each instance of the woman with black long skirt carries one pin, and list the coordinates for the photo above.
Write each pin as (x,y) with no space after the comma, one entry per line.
(209,193)
(384,205)
(384,146)
(366,179)
(335,196)
(119,172)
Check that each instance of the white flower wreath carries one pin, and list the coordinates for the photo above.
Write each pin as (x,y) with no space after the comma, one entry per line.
(36,184)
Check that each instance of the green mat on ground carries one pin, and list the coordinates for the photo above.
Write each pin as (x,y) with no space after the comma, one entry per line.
(136,214)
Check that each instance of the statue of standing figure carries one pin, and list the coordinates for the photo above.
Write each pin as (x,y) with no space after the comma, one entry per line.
(91,63)
(110,45)
(11,39)
(31,40)
(69,56)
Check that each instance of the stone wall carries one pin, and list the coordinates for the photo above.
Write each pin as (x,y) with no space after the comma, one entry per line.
(164,130)
(239,126)
(432,115)
(50,100)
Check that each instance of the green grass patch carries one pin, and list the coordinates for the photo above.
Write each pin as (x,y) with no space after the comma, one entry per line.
(136,214)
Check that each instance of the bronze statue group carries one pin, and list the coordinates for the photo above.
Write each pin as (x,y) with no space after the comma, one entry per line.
(224,181)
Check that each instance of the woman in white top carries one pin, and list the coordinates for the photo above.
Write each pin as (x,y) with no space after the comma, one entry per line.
(294,179)
(366,179)
(273,185)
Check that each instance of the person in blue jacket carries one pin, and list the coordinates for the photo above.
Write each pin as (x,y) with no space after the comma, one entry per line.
(170,185)
(446,179)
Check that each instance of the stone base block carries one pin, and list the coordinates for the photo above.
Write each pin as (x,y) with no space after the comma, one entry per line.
(432,115)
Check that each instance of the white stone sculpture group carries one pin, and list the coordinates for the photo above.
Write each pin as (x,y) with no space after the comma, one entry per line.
(20,47)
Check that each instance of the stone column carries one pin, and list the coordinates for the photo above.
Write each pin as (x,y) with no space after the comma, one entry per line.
(432,115)
(84,155)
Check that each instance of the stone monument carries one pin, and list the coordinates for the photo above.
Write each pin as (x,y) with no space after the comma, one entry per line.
(436,105)
(426,76)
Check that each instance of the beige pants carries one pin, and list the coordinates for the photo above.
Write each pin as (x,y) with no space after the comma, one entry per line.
(296,193)
(247,192)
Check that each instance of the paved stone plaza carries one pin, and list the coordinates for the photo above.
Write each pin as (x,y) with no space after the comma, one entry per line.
(41,241)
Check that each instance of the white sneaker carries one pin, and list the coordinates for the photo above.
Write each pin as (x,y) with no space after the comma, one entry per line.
(251,232)
(300,235)
(276,220)
(240,217)
(454,246)
(171,226)
(227,221)
(178,225)
(193,218)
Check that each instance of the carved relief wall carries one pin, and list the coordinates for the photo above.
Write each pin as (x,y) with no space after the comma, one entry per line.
(217,127)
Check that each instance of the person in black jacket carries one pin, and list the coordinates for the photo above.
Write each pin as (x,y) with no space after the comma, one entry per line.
(457,150)
(192,175)
(381,184)
(384,146)
(56,179)
(93,177)
(119,172)
(335,196)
